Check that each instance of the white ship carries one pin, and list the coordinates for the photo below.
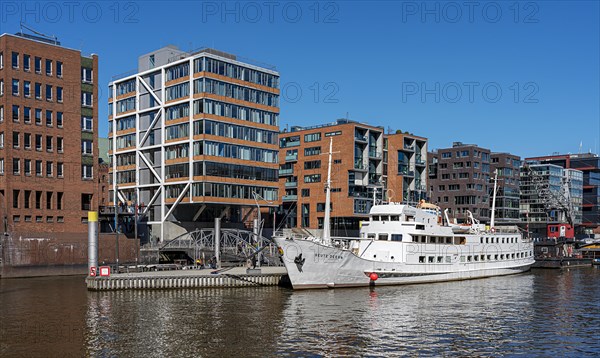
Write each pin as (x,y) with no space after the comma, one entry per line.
(401,244)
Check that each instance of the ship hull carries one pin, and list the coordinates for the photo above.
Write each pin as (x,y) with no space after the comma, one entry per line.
(313,265)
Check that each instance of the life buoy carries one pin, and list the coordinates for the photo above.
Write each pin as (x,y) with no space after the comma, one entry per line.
(493,230)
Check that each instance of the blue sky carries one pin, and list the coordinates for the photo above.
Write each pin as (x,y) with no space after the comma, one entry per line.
(518,77)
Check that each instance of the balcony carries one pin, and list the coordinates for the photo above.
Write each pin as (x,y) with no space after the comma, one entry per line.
(404,170)
(290,144)
(409,147)
(360,138)
(289,197)
(375,154)
(291,184)
(359,164)
(284,172)
(291,158)
(419,162)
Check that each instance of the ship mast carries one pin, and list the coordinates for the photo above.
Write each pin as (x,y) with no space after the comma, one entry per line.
(326,229)
(494,199)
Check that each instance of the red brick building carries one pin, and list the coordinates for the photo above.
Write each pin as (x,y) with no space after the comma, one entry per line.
(367,165)
(48,136)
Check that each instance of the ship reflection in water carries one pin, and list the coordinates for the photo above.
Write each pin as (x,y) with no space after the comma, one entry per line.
(548,313)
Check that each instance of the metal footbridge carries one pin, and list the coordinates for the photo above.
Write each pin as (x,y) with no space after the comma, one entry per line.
(234,245)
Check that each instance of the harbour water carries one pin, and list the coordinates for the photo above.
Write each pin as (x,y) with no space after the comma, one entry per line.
(541,313)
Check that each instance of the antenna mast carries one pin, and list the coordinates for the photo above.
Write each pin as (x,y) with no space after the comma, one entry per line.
(326,228)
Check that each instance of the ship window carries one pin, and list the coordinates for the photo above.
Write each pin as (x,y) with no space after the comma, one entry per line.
(420,227)
(439,259)
(371,236)
(430,259)
(481,240)
(487,240)
(448,259)
(392,257)
(422,259)
(385,218)
(495,257)
(502,257)
(448,240)
(383,237)
(476,258)
(512,256)
(489,257)
(482,257)
(410,218)
(462,259)
(395,218)
(503,240)
(469,258)
(375,217)
(396,237)
(432,239)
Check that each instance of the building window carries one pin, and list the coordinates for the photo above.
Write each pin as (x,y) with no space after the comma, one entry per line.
(312,178)
(37,64)
(59,169)
(312,137)
(48,67)
(1,60)
(49,141)
(15,139)
(49,200)
(27,202)
(38,142)
(16,194)
(15,113)
(312,151)
(87,172)
(27,88)
(86,147)
(305,193)
(59,144)
(59,69)
(27,167)
(38,90)
(16,166)
(87,75)
(15,87)
(15,60)
(48,93)
(87,99)
(27,140)
(87,123)
(49,118)
(49,169)
(59,119)
(1,114)
(38,116)
(1,166)
(26,62)
(59,94)
(38,200)
(1,139)
(38,168)
(312,164)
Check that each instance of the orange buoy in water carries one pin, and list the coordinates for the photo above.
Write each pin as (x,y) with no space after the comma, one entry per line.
(373,276)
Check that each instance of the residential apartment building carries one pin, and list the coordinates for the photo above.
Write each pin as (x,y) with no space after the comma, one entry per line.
(194,136)
(459,180)
(48,136)
(550,195)
(367,165)
(589,165)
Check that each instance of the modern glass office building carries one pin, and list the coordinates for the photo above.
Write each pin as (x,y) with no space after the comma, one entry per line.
(194,136)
